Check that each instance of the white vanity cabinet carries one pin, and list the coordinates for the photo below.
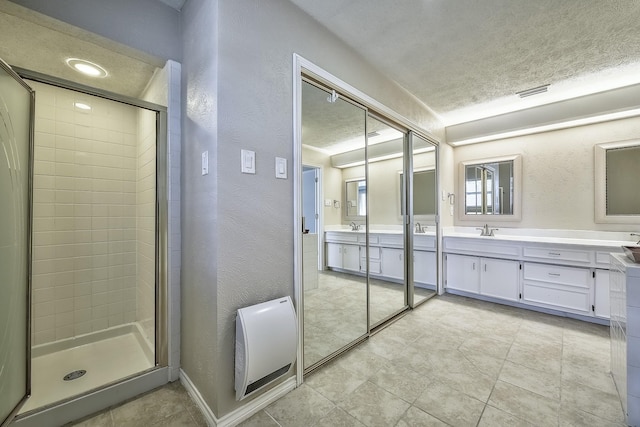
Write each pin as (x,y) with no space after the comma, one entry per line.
(557,287)
(424,268)
(392,263)
(565,275)
(495,278)
(463,273)
(343,256)
(601,298)
(500,278)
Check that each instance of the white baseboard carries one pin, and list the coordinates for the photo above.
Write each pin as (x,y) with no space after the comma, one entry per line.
(242,413)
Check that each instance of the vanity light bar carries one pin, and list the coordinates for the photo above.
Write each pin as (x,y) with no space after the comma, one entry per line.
(533,91)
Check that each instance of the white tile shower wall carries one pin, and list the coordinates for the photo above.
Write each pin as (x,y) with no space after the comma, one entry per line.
(84,238)
(146,219)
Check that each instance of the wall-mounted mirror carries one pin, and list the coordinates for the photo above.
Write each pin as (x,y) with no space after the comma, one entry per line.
(355,192)
(617,174)
(424,193)
(490,189)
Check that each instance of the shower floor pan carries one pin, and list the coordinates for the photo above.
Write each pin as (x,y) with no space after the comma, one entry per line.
(106,356)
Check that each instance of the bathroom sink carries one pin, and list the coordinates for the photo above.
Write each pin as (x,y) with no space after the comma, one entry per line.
(632,252)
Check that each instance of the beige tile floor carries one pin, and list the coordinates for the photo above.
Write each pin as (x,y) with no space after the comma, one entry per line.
(453,361)
(336,311)
(168,406)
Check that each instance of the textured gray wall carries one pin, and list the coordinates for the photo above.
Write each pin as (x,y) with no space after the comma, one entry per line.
(199,336)
(147,25)
(255,212)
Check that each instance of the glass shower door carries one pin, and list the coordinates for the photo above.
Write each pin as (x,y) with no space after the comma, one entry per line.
(16,106)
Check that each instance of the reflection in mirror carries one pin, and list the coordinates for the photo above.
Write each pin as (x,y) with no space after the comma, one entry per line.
(623,177)
(425,209)
(356,198)
(334,290)
(490,188)
(617,199)
(424,193)
(387,267)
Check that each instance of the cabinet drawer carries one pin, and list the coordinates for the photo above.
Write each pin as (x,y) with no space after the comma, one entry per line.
(484,246)
(565,298)
(374,239)
(392,240)
(374,253)
(570,276)
(558,254)
(336,236)
(424,242)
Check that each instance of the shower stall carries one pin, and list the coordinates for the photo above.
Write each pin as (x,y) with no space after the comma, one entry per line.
(98,313)
(93,243)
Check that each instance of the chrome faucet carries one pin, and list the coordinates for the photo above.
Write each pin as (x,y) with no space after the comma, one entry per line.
(486,231)
(420,228)
(637,235)
(354,226)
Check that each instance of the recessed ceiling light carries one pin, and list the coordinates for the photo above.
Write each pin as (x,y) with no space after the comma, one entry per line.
(87,68)
(82,106)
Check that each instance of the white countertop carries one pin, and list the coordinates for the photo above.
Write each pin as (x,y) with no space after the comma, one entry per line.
(605,239)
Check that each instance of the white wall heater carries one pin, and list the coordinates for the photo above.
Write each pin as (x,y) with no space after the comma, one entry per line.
(266,344)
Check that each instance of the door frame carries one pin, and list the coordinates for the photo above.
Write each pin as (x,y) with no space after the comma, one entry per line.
(29,220)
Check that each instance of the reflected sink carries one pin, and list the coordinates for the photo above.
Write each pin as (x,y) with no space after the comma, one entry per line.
(632,252)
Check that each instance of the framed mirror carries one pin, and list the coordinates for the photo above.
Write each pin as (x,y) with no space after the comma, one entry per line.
(355,192)
(617,174)
(490,189)
(424,193)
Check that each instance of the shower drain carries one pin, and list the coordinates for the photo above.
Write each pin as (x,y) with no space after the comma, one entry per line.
(74,375)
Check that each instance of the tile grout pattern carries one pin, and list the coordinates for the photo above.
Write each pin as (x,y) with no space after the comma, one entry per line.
(462,362)
(453,361)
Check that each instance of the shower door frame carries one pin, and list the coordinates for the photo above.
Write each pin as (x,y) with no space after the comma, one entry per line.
(158,374)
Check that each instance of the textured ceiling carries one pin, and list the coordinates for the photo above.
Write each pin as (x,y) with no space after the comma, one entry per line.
(461,56)
(336,127)
(38,43)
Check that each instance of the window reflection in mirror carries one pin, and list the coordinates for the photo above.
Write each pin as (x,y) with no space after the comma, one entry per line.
(356,197)
(490,188)
(617,173)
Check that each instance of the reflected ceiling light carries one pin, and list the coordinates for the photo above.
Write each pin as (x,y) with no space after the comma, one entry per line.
(82,106)
(87,68)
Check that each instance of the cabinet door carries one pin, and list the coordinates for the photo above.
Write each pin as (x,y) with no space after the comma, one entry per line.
(424,267)
(463,273)
(334,255)
(351,257)
(499,278)
(601,303)
(393,263)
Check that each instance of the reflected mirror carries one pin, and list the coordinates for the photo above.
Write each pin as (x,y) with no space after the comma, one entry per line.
(490,188)
(424,193)
(617,175)
(355,198)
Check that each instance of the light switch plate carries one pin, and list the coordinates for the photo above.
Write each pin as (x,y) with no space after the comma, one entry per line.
(281,168)
(328,202)
(205,163)
(248,158)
